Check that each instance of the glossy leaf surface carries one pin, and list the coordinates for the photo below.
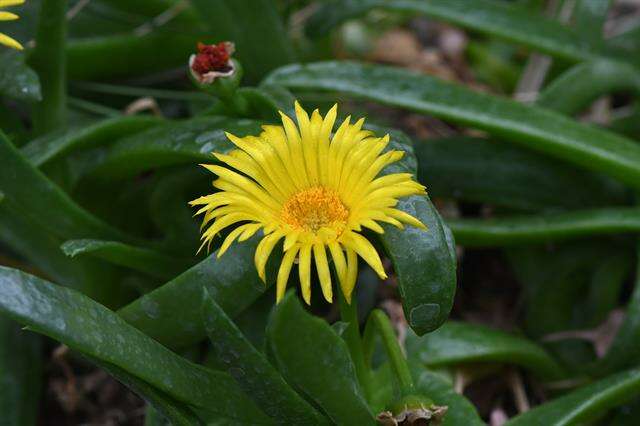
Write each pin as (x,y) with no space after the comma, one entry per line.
(505,20)
(302,344)
(99,333)
(536,128)
(459,343)
(251,370)
(585,403)
(144,260)
(232,281)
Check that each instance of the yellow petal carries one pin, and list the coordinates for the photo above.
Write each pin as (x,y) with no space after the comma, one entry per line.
(249,230)
(371,224)
(263,251)
(8,3)
(295,150)
(351,276)
(405,217)
(245,183)
(284,271)
(328,122)
(224,222)
(304,271)
(290,239)
(230,239)
(320,256)
(339,261)
(8,16)
(308,144)
(9,42)
(365,250)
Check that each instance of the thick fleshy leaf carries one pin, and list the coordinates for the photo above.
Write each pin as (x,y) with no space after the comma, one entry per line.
(266,101)
(574,90)
(184,142)
(522,230)
(35,194)
(502,19)
(624,350)
(424,265)
(589,17)
(32,241)
(17,80)
(251,370)
(568,293)
(580,284)
(459,343)
(98,333)
(314,359)
(170,211)
(20,374)
(180,414)
(141,259)
(583,404)
(92,58)
(35,242)
(627,40)
(536,128)
(47,148)
(505,175)
(426,297)
(171,313)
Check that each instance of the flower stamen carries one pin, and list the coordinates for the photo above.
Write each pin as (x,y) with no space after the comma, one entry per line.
(315,208)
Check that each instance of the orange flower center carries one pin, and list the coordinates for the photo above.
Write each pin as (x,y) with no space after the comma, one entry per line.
(315,208)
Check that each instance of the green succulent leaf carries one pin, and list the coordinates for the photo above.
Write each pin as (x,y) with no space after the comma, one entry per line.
(17,80)
(33,242)
(580,85)
(145,260)
(20,374)
(251,370)
(584,404)
(47,148)
(535,128)
(92,58)
(314,359)
(589,17)
(505,175)
(183,142)
(532,229)
(232,281)
(426,298)
(624,350)
(578,287)
(180,414)
(98,333)
(506,20)
(459,343)
(35,194)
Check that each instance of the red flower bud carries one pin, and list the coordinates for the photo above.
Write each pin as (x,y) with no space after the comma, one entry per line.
(212,61)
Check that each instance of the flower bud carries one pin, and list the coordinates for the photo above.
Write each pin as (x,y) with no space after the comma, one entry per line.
(213,70)
(413,410)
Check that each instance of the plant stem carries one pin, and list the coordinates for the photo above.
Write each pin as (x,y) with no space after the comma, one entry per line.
(349,314)
(378,321)
(49,60)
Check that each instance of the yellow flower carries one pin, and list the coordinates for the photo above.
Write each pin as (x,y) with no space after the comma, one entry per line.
(8,16)
(314,188)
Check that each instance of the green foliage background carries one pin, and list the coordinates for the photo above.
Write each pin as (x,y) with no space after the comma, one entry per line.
(99,242)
